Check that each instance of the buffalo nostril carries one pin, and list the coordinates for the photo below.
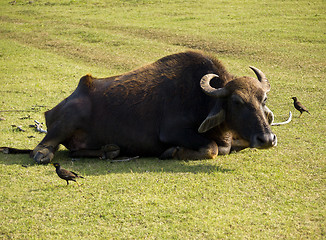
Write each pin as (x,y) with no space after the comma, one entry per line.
(260,140)
(274,140)
(264,140)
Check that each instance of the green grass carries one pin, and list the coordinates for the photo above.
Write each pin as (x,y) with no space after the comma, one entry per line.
(279,193)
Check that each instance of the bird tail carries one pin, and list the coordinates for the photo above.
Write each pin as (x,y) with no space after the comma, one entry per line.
(77,175)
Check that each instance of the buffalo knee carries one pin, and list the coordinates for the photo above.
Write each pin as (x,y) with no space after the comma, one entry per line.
(208,152)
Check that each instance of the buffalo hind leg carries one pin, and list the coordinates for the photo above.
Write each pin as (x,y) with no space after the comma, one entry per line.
(62,122)
(43,154)
(109,151)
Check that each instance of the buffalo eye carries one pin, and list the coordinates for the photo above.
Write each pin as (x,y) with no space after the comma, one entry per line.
(264,101)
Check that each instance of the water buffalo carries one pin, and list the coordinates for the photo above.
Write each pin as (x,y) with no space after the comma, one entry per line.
(183,106)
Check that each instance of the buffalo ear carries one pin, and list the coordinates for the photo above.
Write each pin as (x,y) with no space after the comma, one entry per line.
(269,115)
(214,118)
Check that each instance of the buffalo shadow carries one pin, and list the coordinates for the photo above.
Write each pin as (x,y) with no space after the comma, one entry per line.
(96,167)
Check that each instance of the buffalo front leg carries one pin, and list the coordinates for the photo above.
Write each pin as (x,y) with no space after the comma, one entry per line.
(181,153)
(189,145)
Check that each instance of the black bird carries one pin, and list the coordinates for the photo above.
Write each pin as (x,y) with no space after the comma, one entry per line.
(65,174)
(299,106)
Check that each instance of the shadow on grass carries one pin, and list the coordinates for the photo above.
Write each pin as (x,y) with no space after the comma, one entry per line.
(95,167)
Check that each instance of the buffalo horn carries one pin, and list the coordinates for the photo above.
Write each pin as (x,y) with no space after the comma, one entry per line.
(285,122)
(262,78)
(209,90)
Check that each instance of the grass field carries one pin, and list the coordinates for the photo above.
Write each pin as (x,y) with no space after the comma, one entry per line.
(279,193)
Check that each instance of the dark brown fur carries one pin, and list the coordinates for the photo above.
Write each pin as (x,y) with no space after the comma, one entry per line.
(156,111)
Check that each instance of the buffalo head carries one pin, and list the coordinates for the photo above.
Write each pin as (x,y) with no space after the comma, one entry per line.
(241,108)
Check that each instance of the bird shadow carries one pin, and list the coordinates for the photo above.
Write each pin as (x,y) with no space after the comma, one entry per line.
(57,187)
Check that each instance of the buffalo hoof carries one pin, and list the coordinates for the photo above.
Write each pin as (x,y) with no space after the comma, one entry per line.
(110,151)
(43,156)
(169,153)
